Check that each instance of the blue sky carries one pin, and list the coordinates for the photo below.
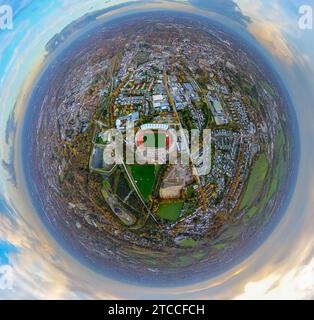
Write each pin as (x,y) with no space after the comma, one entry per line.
(6,249)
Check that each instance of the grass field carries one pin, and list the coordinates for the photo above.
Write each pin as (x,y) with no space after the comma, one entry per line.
(145,177)
(279,171)
(199,255)
(170,211)
(188,243)
(190,192)
(155,140)
(251,213)
(255,183)
(184,261)
(219,246)
(280,165)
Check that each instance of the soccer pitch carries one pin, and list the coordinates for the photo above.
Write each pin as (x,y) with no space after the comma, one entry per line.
(170,211)
(154,140)
(145,178)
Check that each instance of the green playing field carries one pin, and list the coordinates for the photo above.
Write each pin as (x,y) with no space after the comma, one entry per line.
(145,178)
(170,211)
(155,140)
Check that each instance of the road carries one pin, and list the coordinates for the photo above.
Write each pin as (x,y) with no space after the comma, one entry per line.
(202,194)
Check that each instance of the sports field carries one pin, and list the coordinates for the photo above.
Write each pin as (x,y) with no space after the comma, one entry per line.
(154,140)
(256,181)
(145,178)
(170,211)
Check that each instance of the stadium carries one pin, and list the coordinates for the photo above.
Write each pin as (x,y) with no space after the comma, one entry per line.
(152,138)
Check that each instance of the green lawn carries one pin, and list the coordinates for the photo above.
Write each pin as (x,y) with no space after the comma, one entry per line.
(99,140)
(279,172)
(199,255)
(184,261)
(155,140)
(251,213)
(145,178)
(188,243)
(170,211)
(219,246)
(190,192)
(256,181)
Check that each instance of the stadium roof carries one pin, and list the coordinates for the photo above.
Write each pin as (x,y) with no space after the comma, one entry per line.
(155,126)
